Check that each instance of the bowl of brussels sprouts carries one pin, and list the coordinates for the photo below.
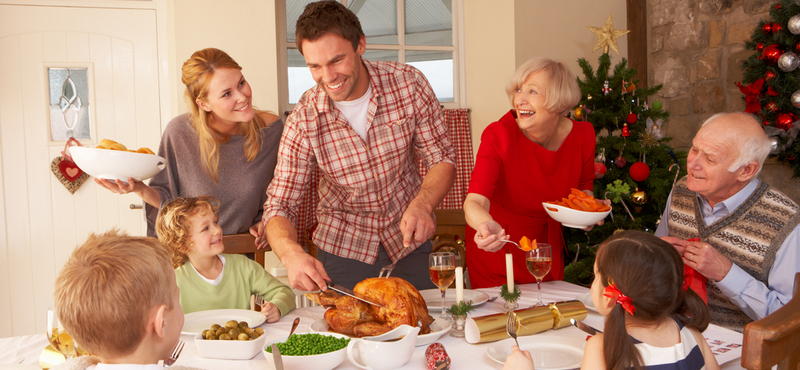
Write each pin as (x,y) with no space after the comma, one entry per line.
(319,351)
(232,340)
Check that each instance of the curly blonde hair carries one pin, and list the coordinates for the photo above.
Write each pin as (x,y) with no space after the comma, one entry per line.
(173,224)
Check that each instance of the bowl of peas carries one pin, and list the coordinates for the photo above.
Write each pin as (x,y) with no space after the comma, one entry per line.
(320,351)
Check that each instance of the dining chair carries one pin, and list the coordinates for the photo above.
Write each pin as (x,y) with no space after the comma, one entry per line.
(449,237)
(775,339)
(244,243)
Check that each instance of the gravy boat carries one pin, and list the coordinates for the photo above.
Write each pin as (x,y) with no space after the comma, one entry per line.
(390,350)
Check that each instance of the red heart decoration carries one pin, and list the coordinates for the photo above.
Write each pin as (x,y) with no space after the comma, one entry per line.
(69,170)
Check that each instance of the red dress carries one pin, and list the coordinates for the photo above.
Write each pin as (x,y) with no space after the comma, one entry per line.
(517,175)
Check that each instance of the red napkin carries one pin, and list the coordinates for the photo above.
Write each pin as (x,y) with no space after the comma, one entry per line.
(694,279)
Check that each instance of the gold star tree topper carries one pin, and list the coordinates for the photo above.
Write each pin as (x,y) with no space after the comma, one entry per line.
(607,36)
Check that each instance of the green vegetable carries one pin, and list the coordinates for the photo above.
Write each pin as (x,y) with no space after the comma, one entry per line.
(310,344)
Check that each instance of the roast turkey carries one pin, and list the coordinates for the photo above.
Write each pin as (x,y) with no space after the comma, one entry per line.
(402,305)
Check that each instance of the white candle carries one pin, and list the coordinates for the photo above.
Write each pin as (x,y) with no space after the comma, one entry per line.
(459,284)
(510,272)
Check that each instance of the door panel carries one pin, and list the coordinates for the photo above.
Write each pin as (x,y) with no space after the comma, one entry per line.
(42,222)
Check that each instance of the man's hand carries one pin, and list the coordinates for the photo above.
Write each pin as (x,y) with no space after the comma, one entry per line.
(416,225)
(706,260)
(678,243)
(257,230)
(305,272)
(487,235)
(271,311)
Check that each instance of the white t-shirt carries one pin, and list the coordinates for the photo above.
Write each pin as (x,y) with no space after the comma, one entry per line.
(216,281)
(356,112)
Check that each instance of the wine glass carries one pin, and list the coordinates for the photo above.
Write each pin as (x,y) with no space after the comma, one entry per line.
(538,262)
(58,337)
(442,268)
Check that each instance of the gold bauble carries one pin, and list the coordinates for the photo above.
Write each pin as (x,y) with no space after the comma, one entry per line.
(578,113)
(639,197)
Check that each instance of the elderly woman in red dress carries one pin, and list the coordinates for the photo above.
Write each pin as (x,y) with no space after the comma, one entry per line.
(531,155)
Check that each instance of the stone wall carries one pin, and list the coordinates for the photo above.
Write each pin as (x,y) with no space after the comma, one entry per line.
(694,49)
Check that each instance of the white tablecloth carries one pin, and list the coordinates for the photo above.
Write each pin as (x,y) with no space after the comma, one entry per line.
(462,354)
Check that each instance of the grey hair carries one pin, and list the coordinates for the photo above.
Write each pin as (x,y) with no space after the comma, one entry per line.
(755,148)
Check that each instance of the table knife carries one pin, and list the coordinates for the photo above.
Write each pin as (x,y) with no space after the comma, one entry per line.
(349,292)
(276,357)
(584,327)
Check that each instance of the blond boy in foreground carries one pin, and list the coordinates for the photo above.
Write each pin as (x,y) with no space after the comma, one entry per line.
(118,299)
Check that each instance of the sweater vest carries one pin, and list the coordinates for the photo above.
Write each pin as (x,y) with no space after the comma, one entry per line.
(749,237)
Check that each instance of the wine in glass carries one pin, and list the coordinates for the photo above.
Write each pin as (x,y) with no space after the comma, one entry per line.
(442,268)
(538,261)
(58,337)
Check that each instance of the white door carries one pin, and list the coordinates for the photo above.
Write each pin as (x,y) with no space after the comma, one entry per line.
(42,222)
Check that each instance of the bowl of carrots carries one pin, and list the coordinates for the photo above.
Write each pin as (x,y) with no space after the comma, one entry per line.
(578,210)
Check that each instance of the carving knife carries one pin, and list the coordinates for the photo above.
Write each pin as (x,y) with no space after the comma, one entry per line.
(349,292)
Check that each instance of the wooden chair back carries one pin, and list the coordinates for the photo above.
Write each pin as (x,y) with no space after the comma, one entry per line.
(775,339)
(244,244)
(449,235)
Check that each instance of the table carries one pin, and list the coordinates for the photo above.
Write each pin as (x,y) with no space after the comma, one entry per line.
(463,354)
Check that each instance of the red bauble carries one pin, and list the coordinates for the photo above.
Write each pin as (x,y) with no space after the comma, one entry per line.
(620,161)
(760,46)
(778,6)
(771,54)
(785,120)
(768,75)
(599,169)
(776,27)
(639,171)
(767,28)
(632,118)
(625,131)
(797,46)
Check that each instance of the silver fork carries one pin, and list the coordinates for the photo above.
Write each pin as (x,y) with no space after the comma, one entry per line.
(388,269)
(175,354)
(511,326)
(508,241)
(259,300)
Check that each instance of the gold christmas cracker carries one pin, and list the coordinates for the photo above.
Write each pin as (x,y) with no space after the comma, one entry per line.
(492,328)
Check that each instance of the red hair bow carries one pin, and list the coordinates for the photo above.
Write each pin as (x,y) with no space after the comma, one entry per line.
(626,302)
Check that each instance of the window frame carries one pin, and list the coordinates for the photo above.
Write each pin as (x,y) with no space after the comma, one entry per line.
(459,88)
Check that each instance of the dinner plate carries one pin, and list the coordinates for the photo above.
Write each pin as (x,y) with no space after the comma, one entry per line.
(438,328)
(433,297)
(549,352)
(586,299)
(196,322)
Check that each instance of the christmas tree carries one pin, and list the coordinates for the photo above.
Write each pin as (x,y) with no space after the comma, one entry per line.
(634,166)
(771,81)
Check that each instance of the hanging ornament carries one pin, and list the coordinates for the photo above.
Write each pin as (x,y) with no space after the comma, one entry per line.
(652,134)
(776,28)
(785,120)
(66,171)
(788,61)
(600,169)
(601,157)
(775,142)
(625,131)
(620,161)
(794,24)
(657,105)
(768,75)
(752,95)
(771,54)
(606,89)
(778,6)
(797,46)
(631,87)
(796,99)
(765,122)
(760,46)
(639,171)
(767,28)
(578,114)
(772,106)
(639,197)
(632,118)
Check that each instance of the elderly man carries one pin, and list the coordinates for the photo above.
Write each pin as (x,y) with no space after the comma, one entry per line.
(748,230)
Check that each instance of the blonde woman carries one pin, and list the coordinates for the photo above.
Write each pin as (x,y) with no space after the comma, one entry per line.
(223,148)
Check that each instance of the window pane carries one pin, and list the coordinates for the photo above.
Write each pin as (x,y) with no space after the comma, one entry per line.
(299,75)
(381,55)
(429,22)
(378,20)
(437,66)
(293,10)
